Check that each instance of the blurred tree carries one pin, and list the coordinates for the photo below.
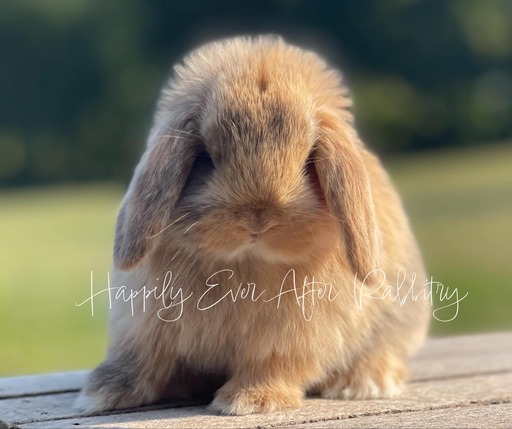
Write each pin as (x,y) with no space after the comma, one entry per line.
(79,79)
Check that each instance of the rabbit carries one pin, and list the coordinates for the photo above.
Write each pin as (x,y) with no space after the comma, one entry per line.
(266,241)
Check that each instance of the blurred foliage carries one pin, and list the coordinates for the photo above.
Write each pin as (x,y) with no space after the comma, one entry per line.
(79,78)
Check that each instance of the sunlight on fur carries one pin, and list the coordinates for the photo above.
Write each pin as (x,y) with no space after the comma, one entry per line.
(257,195)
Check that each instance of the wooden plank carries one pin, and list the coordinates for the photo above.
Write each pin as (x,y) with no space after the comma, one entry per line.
(418,397)
(15,411)
(473,416)
(32,398)
(41,384)
(33,408)
(459,366)
(474,345)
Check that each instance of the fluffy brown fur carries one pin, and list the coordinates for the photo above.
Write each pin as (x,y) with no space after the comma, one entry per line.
(253,165)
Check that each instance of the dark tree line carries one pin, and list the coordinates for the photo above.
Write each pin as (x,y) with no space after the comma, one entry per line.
(79,79)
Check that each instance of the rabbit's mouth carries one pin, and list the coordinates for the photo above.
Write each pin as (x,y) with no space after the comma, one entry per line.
(259,235)
(258,247)
(254,243)
(252,246)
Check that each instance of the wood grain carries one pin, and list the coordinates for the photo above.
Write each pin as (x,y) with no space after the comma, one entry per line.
(455,382)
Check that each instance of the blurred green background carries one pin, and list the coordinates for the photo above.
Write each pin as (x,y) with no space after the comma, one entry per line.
(432,84)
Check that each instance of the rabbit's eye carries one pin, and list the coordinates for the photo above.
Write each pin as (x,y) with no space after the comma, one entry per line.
(312,175)
(199,176)
(201,169)
(204,160)
(309,166)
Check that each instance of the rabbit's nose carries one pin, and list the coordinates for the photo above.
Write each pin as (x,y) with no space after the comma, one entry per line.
(258,221)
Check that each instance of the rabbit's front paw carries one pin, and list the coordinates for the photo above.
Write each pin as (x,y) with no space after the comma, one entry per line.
(377,378)
(266,398)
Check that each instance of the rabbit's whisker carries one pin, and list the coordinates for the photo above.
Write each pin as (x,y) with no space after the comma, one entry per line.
(174,137)
(190,227)
(331,215)
(317,159)
(176,254)
(180,131)
(168,226)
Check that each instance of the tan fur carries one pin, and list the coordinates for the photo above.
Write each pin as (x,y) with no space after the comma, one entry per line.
(289,187)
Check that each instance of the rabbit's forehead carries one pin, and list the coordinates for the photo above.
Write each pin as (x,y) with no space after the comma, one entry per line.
(252,124)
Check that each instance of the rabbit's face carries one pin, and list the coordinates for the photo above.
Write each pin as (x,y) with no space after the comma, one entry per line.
(253,155)
(253,189)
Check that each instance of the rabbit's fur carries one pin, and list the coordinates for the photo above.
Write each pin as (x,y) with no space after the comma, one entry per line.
(253,166)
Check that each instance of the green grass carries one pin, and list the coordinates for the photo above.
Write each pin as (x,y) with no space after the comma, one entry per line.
(460,204)
(51,239)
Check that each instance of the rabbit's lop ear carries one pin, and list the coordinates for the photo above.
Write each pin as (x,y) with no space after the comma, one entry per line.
(155,187)
(346,187)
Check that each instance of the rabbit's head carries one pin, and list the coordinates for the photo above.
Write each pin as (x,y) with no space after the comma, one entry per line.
(254,156)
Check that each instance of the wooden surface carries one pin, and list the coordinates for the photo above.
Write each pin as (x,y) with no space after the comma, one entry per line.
(456,382)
